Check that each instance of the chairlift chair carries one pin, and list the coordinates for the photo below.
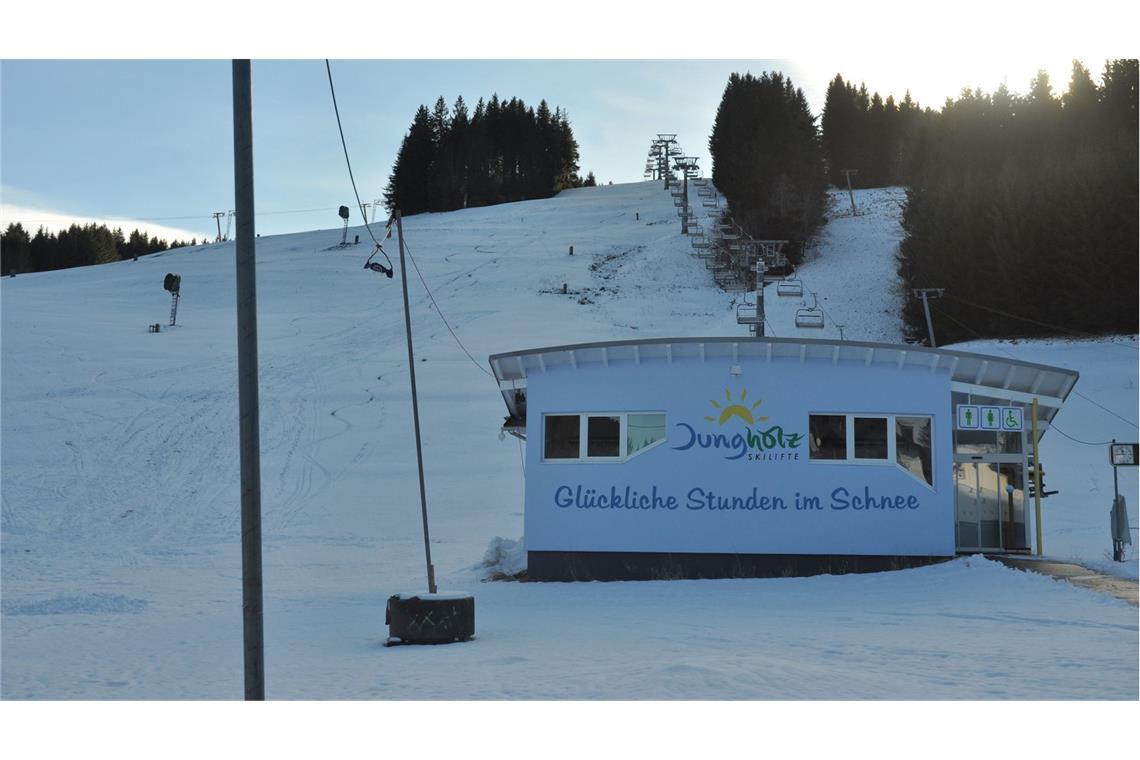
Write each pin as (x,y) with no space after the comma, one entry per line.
(746,314)
(790,287)
(809,318)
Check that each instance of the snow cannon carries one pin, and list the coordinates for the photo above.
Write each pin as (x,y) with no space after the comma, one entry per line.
(440,618)
(173,284)
(344,234)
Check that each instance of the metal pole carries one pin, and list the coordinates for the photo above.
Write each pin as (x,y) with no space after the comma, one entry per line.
(1117,546)
(1115,480)
(415,402)
(929,324)
(253,635)
(847,173)
(685,207)
(1036,477)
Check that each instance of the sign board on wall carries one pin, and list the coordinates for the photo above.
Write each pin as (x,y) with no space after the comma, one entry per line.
(736,473)
(976,417)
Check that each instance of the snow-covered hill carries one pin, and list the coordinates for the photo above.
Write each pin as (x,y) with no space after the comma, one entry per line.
(121,561)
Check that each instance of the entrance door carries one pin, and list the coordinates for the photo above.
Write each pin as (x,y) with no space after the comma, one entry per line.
(990,506)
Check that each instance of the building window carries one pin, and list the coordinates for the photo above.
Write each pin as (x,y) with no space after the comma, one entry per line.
(561,438)
(912,447)
(609,437)
(867,439)
(643,430)
(828,434)
(603,437)
(871,438)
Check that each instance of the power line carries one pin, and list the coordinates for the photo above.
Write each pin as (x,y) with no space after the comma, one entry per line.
(1077,440)
(439,311)
(1010,355)
(1070,331)
(1105,408)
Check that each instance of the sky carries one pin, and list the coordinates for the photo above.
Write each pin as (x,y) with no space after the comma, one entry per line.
(149,142)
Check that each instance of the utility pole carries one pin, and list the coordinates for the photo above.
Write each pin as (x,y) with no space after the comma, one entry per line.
(415,401)
(932,293)
(847,173)
(251,595)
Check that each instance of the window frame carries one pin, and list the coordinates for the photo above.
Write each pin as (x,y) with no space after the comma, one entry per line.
(583,437)
(889,421)
(892,443)
(846,437)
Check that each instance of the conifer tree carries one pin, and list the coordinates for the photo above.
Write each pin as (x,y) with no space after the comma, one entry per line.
(767,158)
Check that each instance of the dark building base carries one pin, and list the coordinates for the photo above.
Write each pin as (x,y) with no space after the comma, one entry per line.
(657,566)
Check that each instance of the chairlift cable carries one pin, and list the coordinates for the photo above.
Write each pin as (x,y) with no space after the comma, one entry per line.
(348,163)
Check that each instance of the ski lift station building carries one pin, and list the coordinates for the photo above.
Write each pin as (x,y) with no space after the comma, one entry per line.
(713,457)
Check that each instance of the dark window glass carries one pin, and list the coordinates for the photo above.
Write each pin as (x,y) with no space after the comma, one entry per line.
(828,433)
(603,437)
(870,438)
(643,430)
(912,446)
(562,437)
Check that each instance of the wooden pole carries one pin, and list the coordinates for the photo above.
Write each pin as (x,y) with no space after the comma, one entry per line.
(250,443)
(847,173)
(929,323)
(415,402)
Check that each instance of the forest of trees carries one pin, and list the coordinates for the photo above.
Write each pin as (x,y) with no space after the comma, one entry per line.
(75,246)
(767,159)
(1024,208)
(502,151)
(875,137)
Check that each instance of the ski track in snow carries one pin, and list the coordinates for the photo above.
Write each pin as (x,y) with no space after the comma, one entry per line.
(121,516)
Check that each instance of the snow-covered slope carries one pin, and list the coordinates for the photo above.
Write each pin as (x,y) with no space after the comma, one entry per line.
(849,273)
(120,551)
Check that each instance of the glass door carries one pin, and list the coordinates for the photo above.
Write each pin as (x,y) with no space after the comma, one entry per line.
(989,503)
(966,505)
(990,497)
(1015,536)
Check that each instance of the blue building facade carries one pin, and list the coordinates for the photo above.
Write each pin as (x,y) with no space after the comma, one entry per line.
(719,457)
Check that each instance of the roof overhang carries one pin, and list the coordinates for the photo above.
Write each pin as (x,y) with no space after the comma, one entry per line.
(980,374)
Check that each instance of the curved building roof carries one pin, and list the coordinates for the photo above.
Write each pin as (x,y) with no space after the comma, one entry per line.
(981,374)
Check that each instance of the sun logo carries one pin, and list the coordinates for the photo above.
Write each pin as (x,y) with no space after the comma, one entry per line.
(738,409)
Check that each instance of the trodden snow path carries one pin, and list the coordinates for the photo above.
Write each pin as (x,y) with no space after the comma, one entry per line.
(120,554)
